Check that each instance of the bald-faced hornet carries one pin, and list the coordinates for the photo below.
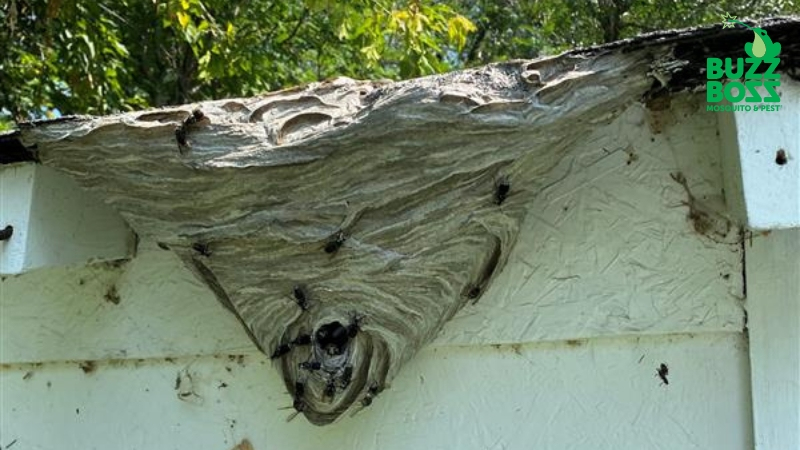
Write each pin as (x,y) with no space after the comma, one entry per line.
(281,350)
(182,131)
(330,388)
(298,400)
(299,392)
(662,373)
(303,339)
(6,233)
(301,297)
(202,248)
(346,377)
(473,292)
(196,116)
(501,190)
(180,137)
(335,242)
(780,157)
(311,366)
(355,326)
(372,392)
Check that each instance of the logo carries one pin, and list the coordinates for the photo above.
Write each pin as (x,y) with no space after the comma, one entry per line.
(752,79)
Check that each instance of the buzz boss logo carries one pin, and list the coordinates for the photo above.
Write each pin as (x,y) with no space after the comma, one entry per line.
(739,80)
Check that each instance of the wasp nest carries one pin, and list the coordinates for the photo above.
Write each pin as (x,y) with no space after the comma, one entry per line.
(345,222)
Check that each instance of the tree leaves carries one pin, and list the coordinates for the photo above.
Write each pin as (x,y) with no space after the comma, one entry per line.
(72,56)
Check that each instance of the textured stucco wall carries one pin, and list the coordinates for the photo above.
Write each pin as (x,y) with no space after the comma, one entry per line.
(609,279)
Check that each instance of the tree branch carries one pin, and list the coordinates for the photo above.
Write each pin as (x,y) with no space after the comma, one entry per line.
(300,21)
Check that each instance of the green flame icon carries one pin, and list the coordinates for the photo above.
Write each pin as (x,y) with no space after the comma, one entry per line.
(762,46)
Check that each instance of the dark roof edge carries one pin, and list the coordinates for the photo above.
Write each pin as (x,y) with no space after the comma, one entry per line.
(681,35)
(12,150)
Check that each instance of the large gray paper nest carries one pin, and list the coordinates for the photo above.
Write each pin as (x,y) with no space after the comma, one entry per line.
(406,172)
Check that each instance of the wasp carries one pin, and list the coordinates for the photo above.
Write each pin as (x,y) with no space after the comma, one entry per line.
(195,117)
(473,292)
(298,400)
(181,132)
(501,190)
(6,233)
(662,373)
(310,365)
(335,242)
(330,389)
(372,392)
(281,350)
(346,377)
(303,339)
(202,248)
(180,137)
(355,326)
(301,297)
(780,157)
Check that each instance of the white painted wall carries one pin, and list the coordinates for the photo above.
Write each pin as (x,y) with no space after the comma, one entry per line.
(771,190)
(55,222)
(773,304)
(16,192)
(609,280)
(603,395)
(69,313)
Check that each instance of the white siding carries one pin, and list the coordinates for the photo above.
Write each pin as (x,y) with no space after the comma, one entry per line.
(771,190)
(55,222)
(773,304)
(608,269)
(603,395)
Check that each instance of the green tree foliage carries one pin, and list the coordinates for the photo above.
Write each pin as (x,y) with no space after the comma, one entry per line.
(529,28)
(96,57)
(102,56)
